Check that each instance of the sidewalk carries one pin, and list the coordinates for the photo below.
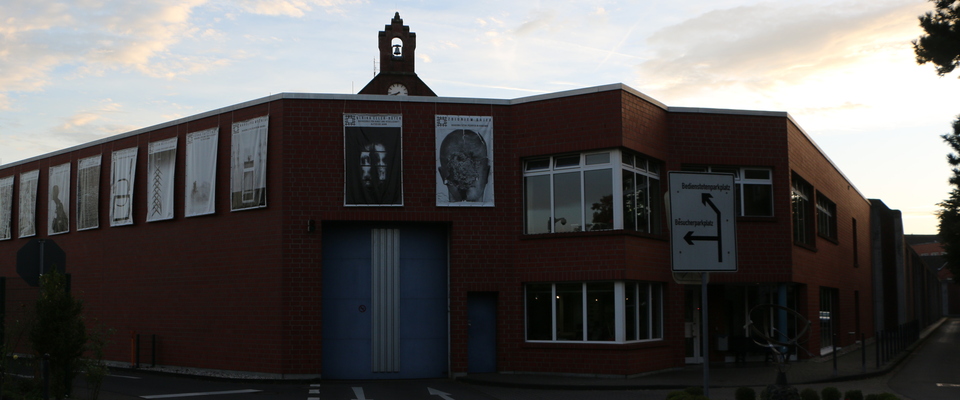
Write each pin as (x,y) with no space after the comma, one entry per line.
(850,366)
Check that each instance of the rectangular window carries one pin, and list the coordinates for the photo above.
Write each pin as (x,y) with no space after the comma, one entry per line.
(580,192)
(826,217)
(589,312)
(803,224)
(754,188)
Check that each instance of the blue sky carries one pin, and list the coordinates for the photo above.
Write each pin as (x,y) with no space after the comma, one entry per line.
(72,71)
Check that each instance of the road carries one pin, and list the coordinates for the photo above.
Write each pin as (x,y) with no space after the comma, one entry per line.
(932,372)
(929,373)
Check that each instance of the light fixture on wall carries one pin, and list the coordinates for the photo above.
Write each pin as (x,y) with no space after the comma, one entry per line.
(311,226)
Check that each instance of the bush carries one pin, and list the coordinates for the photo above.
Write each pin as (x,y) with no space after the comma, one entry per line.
(830,393)
(745,393)
(809,394)
(853,395)
(60,332)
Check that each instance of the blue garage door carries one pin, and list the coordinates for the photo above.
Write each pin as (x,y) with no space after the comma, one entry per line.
(384,301)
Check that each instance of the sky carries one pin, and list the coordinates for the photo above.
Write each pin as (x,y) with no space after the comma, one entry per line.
(74,71)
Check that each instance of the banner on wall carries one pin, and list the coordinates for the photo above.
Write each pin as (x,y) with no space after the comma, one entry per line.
(201,172)
(248,164)
(373,163)
(6,207)
(88,193)
(123,168)
(464,151)
(28,203)
(161,163)
(58,189)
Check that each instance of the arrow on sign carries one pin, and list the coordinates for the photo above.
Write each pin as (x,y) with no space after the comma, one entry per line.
(358,391)
(690,237)
(435,392)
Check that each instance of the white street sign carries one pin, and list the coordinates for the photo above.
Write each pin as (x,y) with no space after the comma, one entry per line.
(703,234)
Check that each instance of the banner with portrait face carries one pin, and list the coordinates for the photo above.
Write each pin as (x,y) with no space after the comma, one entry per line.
(6,207)
(28,203)
(464,151)
(161,163)
(248,164)
(123,168)
(201,173)
(58,208)
(88,193)
(373,163)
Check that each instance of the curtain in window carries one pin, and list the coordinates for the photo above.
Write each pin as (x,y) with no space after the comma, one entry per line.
(123,169)
(201,172)
(6,207)
(248,164)
(28,203)
(88,192)
(58,210)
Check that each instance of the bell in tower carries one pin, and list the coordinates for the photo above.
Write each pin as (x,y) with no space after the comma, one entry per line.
(397,74)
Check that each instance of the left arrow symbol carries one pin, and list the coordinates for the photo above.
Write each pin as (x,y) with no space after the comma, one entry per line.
(435,392)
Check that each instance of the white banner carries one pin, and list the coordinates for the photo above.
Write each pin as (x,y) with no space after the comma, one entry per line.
(88,193)
(201,173)
(6,207)
(28,203)
(464,151)
(123,169)
(248,164)
(161,163)
(58,208)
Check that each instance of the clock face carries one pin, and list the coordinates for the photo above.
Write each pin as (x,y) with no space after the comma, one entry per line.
(397,89)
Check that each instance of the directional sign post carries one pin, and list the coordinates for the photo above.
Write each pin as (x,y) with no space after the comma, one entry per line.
(703,236)
(703,226)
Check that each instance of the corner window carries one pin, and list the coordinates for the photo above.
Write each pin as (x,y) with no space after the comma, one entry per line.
(826,217)
(592,192)
(591,312)
(754,188)
(803,224)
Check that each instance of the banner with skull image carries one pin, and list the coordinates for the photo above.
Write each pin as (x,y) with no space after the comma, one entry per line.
(373,162)
(464,160)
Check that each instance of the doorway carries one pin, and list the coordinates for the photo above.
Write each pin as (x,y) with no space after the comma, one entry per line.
(691,325)
(481,332)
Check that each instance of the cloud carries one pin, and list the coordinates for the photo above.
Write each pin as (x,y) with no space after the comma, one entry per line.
(293,8)
(759,47)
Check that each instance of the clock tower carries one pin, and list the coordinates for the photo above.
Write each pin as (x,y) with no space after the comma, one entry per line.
(397,56)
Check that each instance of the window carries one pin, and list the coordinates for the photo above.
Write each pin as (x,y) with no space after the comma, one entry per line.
(826,217)
(803,223)
(754,188)
(590,311)
(829,298)
(580,192)
(641,194)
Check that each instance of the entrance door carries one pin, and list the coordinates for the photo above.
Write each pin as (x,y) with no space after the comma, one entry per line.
(482,332)
(384,296)
(691,325)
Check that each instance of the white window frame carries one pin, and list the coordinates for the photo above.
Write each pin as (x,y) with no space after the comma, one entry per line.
(616,167)
(740,181)
(654,319)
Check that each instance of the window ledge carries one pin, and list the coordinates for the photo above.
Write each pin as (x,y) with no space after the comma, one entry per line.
(757,219)
(594,345)
(829,239)
(609,232)
(806,246)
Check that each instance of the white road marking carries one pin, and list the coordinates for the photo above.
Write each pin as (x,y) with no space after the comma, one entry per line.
(948,384)
(170,396)
(435,392)
(358,391)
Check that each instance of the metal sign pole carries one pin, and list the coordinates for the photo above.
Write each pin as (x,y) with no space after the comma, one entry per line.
(705,338)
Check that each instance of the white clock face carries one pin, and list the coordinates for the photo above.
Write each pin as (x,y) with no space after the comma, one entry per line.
(397,89)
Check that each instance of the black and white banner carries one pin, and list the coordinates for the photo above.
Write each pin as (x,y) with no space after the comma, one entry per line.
(58,208)
(373,159)
(201,172)
(464,151)
(88,193)
(123,169)
(6,207)
(248,164)
(161,163)
(28,203)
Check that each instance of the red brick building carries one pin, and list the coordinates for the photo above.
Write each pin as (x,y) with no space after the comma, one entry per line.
(345,236)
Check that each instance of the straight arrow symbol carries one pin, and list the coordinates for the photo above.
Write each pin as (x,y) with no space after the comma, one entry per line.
(435,392)
(358,391)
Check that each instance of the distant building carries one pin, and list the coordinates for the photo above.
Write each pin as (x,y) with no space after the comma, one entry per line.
(398,234)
